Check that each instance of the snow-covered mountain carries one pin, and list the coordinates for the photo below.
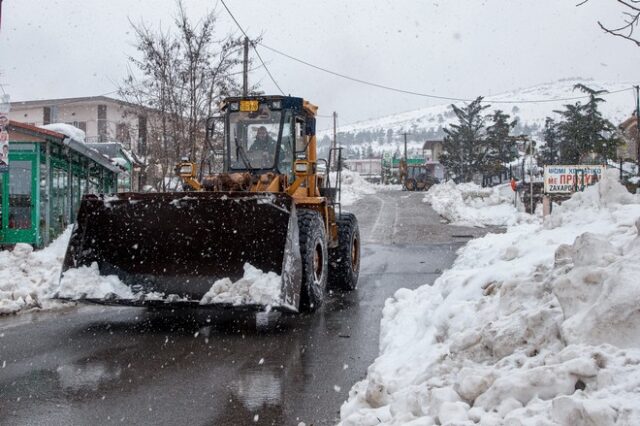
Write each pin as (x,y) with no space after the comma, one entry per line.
(384,134)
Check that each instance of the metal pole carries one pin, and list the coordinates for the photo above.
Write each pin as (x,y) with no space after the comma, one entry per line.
(638,130)
(48,193)
(245,68)
(335,140)
(405,147)
(531,177)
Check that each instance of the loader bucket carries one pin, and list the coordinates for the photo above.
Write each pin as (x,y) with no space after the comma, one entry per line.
(171,247)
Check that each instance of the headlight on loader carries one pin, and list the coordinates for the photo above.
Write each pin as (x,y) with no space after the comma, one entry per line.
(186,169)
(301,168)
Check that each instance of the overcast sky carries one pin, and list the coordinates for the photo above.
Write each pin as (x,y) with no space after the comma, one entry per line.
(458,48)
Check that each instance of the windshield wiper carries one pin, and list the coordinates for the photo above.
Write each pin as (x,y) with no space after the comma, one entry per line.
(243,155)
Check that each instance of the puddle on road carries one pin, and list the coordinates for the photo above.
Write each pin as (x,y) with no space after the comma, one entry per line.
(86,377)
(257,389)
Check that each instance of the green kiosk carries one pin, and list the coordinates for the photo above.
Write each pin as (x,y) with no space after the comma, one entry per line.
(42,181)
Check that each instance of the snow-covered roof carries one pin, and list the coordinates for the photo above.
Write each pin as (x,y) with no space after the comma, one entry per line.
(55,134)
(67,130)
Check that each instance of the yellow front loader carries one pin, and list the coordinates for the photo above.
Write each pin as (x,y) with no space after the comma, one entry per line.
(270,208)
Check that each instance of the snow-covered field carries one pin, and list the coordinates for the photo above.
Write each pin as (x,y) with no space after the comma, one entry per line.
(530,114)
(468,204)
(537,326)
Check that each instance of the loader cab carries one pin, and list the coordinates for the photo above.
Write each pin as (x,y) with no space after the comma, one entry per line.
(265,134)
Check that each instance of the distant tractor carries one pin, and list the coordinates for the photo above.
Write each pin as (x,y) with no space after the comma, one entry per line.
(416,177)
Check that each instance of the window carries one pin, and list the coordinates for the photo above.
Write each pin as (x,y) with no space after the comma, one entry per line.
(253,137)
(122,133)
(102,123)
(20,196)
(82,125)
(58,200)
(285,154)
(142,135)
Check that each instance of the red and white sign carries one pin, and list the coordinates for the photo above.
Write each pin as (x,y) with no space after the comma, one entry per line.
(567,179)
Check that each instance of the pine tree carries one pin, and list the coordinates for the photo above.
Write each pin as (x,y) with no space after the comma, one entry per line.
(501,145)
(464,143)
(549,153)
(583,130)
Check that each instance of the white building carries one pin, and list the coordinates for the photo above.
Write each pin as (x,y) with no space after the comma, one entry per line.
(103,119)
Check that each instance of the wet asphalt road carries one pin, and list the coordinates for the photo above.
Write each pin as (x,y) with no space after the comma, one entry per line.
(95,365)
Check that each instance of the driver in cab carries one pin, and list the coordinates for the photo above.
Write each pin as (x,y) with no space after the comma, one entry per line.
(264,142)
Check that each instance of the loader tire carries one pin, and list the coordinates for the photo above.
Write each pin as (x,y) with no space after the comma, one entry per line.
(315,260)
(344,260)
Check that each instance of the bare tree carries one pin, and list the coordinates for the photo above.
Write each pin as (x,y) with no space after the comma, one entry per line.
(631,17)
(178,80)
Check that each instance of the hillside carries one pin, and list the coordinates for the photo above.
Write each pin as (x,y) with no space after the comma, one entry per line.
(384,134)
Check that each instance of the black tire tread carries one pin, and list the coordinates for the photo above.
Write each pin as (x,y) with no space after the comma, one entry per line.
(308,222)
(341,276)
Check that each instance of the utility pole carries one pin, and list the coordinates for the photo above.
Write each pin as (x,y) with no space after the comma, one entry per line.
(531,176)
(405,145)
(638,130)
(335,142)
(245,68)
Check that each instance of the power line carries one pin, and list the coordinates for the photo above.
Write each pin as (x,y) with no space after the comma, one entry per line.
(426,95)
(254,47)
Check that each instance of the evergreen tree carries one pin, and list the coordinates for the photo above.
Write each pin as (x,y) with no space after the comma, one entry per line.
(549,153)
(502,147)
(572,133)
(603,139)
(583,130)
(464,144)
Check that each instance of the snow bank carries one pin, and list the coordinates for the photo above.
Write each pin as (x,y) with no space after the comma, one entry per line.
(355,187)
(468,204)
(67,130)
(539,325)
(28,277)
(255,287)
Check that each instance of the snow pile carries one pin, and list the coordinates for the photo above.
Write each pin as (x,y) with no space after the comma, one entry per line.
(86,282)
(536,326)
(67,130)
(255,287)
(28,277)
(355,187)
(468,204)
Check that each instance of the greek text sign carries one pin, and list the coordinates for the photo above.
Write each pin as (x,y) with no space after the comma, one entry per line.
(566,179)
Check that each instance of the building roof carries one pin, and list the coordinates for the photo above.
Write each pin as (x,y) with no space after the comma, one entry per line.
(77,146)
(429,144)
(626,124)
(66,101)
(35,129)
(114,150)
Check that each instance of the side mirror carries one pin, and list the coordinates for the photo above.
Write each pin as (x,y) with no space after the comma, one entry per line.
(310,128)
